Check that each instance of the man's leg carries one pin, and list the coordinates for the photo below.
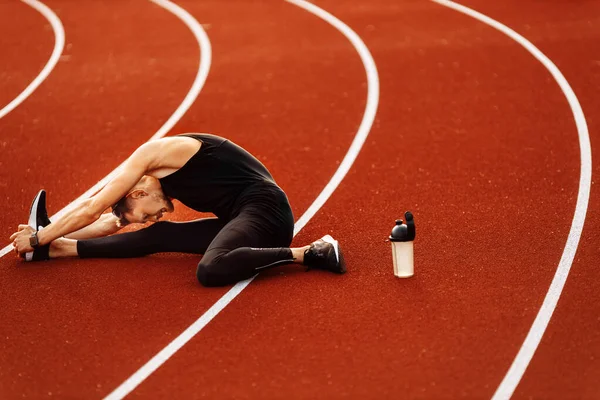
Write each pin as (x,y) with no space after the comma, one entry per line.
(232,252)
(251,243)
(183,237)
(240,250)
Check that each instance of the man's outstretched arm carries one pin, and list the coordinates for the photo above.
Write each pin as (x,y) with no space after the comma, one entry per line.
(104,226)
(90,210)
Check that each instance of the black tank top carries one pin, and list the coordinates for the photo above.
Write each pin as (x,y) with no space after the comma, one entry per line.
(213,179)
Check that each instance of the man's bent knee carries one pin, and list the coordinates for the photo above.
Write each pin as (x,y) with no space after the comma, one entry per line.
(219,271)
(207,275)
(204,275)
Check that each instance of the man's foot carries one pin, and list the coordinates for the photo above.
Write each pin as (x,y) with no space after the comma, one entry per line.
(325,254)
(38,219)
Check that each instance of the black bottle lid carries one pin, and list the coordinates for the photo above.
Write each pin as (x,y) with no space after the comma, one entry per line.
(404,232)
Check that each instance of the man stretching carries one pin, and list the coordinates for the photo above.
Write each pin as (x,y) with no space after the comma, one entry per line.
(252,230)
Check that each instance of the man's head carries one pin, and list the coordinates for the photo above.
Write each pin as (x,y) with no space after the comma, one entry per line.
(145,202)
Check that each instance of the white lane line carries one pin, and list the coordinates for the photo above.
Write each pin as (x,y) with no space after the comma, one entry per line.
(59,44)
(370,110)
(368,118)
(6,250)
(529,346)
(205,61)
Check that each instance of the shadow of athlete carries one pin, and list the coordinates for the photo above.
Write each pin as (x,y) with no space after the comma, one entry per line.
(252,231)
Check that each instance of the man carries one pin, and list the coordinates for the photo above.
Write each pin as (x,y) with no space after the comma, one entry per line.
(252,230)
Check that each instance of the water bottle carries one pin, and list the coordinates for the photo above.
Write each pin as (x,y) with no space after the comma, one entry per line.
(402,246)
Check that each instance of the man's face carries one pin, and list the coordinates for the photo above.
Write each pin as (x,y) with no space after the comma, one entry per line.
(148,207)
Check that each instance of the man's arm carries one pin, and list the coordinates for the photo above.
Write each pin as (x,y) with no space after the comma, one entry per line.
(104,226)
(90,210)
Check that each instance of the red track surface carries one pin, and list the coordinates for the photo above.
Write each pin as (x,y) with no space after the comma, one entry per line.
(32,31)
(472,135)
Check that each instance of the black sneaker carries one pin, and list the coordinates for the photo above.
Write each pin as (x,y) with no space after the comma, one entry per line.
(38,216)
(325,254)
(38,219)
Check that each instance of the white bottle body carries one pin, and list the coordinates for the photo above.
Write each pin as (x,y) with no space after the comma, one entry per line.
(402,253)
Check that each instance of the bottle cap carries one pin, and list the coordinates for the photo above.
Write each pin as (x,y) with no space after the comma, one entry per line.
(404,232)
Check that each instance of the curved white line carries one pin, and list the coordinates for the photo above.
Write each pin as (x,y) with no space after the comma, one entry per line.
(368,118)
(370,110)
(205,61)
(59,44)
(529,346)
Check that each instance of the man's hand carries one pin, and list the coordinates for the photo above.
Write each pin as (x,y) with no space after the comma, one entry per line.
(20,240)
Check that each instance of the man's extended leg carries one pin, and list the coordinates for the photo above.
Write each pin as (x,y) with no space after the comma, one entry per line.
(183,237)
(232,252)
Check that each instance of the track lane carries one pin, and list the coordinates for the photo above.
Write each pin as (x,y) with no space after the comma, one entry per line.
(458,143)
(284,150)
(163,355)
(275,55)
(63,139)
(566,362)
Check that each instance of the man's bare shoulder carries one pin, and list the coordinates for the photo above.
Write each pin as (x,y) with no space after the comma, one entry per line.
(169,152)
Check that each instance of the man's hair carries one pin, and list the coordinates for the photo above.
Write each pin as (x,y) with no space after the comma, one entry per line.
(119,209)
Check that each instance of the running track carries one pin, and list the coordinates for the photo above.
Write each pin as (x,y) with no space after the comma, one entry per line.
(471,133)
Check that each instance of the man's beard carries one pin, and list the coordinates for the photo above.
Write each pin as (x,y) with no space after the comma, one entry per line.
(168,203)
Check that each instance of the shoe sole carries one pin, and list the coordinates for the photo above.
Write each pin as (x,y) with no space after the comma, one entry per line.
(33,219)
(338,252)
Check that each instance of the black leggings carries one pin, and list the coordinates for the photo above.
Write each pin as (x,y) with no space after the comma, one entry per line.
(233,251)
